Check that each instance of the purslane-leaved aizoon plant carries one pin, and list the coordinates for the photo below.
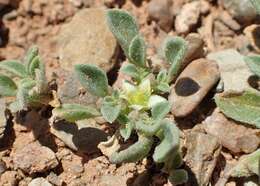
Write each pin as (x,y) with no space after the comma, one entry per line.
(24,80)
(137,106)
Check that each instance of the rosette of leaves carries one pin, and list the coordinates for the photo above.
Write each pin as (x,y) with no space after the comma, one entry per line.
(24,82)
(137,107)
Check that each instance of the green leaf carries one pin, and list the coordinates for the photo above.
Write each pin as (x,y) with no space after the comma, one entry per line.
(160,110)
(162,76)
(7,86)
(179,176)
(247,165)
(110,110)
(174,49)
(134,153)
(35,64)
(137,51)
(15,67)
(169,142)
(74,112)
(126,130)
(163,87)
(40,78)
(241,107)
(93,79)
(253,63)
(130,70)
(256,5)
(148,129)
(123,26)
(30,55)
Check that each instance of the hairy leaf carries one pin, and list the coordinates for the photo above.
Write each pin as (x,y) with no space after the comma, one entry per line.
(110,110)
(93,79)
(35,64)
(130,70)
(30,55)
(123,26)
(160,110)
(126,130)
(15,67)
(174,50)
(148,129)
(170,141)
(241,107)
(41,80)
(137,51)
(247,166)
(178,176)
(7,86)
(74,112)
(253,63)
(134,153)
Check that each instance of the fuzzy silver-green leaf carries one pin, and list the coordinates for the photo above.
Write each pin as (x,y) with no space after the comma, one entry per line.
(14,67)
(241,107)
(93,79)
(7,86)
(123,26)
(137,51)
(174,49)
(160,110)
(74,112)
(178,176)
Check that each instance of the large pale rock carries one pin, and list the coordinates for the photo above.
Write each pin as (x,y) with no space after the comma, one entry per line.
(234,136)
(203,151)
(39,182)
(34,158)
(83,136)
(192,86)
(86,39)
(233,69)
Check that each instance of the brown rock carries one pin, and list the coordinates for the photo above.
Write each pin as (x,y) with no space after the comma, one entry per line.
(195,48)
(87,39)
(202,154)
(9,178)
(252,32)
(160,11)
(235,137)
(188,17)
(34,158)
(192,86)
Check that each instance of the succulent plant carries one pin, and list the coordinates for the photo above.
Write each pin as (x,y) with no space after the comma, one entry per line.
(24,80)
(138,106)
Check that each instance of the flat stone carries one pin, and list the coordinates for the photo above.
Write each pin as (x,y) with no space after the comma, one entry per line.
(232,135)
(233,69)
(34,158)
(86,39)
(39,182)
(192,85)
(83,136)
(203,151)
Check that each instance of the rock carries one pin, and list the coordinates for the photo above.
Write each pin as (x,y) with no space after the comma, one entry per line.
(242,10)
(252,32)
(203,151)
(83,136)
(160,11)
(233,69)
(2,167)
(54,179)
(192,85)
(86,39)
(4,3)
(39,182)
(233,136)
(187,17)
(71,91)
(34,158)
(9,178)
(195,48)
